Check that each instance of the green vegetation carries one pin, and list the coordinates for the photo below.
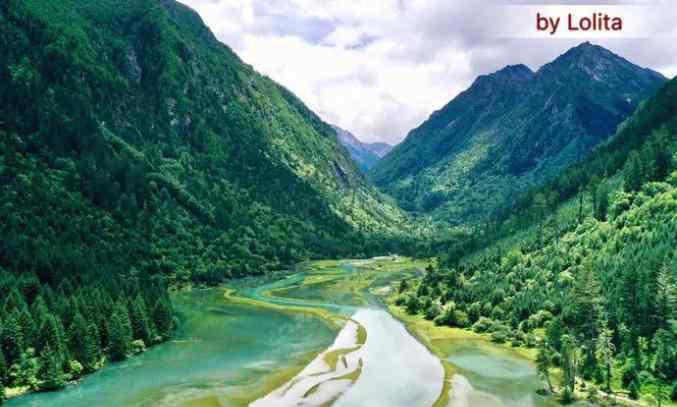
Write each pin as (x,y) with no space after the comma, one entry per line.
(52,335)
(139,153)
(591,279)
(510,131)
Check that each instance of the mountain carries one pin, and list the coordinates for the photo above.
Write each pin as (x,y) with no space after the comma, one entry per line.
(364,154)
(588,256)
(380,149)
(138,152)
(133,142)
(511,130)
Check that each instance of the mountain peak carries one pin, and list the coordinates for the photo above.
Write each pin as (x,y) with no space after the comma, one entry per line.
(507,75)
(512,129)
(519,72)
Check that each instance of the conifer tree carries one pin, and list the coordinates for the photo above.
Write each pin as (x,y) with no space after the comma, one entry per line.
(51,372)
(605,353)
(119,333)
(141,325)
(543,363)
(53,337)
(4,369)
(633,176)
(12,339)
(28,328)
(82,344)
(601,201)
(569,366)
(163,317)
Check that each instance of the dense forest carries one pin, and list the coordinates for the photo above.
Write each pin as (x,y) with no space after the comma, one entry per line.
(138,153)
(584,267)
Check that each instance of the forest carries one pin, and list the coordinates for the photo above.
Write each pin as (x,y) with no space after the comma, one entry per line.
(139,155)
(583,268)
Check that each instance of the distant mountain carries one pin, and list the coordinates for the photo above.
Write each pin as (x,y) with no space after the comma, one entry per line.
(364,154)
(511,130)
(380,149)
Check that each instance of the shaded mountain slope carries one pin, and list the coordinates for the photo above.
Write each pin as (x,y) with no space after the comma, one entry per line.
(511,130)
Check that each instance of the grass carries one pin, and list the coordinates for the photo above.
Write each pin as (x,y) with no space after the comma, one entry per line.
(333,320)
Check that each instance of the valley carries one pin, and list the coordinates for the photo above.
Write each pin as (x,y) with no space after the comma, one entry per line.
(179,229)
(248,344)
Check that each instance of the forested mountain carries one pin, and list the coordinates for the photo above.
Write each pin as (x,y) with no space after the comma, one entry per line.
(365,155)
(587,262)
(137,151)
(511,130)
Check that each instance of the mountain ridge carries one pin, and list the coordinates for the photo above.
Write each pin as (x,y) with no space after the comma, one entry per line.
(510,130)
(365,155)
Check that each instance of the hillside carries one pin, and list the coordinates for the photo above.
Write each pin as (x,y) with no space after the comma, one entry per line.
(365,155)
(511,130)
(138,113)
(586,263)
(137,152)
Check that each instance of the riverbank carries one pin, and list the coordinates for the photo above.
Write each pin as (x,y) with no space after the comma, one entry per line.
(439,339)
(382,352)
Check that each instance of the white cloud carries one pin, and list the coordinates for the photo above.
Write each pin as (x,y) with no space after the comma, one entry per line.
(379,68)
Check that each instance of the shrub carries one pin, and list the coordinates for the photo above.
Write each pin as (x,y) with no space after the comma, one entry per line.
(530,340)
(432,311)
(461,319)
(499,336)
(483,325)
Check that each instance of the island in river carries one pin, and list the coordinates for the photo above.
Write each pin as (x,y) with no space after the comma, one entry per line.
(324,335)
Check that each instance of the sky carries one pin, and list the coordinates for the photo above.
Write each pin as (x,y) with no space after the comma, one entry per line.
(379,68)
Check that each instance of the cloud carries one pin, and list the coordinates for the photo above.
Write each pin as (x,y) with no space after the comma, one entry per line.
(380,68)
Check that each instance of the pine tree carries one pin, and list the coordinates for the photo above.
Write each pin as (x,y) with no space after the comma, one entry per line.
(543,363)
(666,297)
(569,366)
(140,322)
(28,328)
(53,337)
(51,372)
(83,346)
(12,339)
(163,318)
(633,173)
(601,201)
(4,371)
(605,353)
(119,333)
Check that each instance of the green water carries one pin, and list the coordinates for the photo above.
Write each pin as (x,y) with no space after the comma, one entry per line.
(223,351)
(219,350)
(506,377)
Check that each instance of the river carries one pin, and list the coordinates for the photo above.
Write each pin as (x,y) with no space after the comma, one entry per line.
(224,354)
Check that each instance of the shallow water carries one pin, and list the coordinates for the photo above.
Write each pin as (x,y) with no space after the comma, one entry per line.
(496,377)
(220,348)
(223,351)
(398,370)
